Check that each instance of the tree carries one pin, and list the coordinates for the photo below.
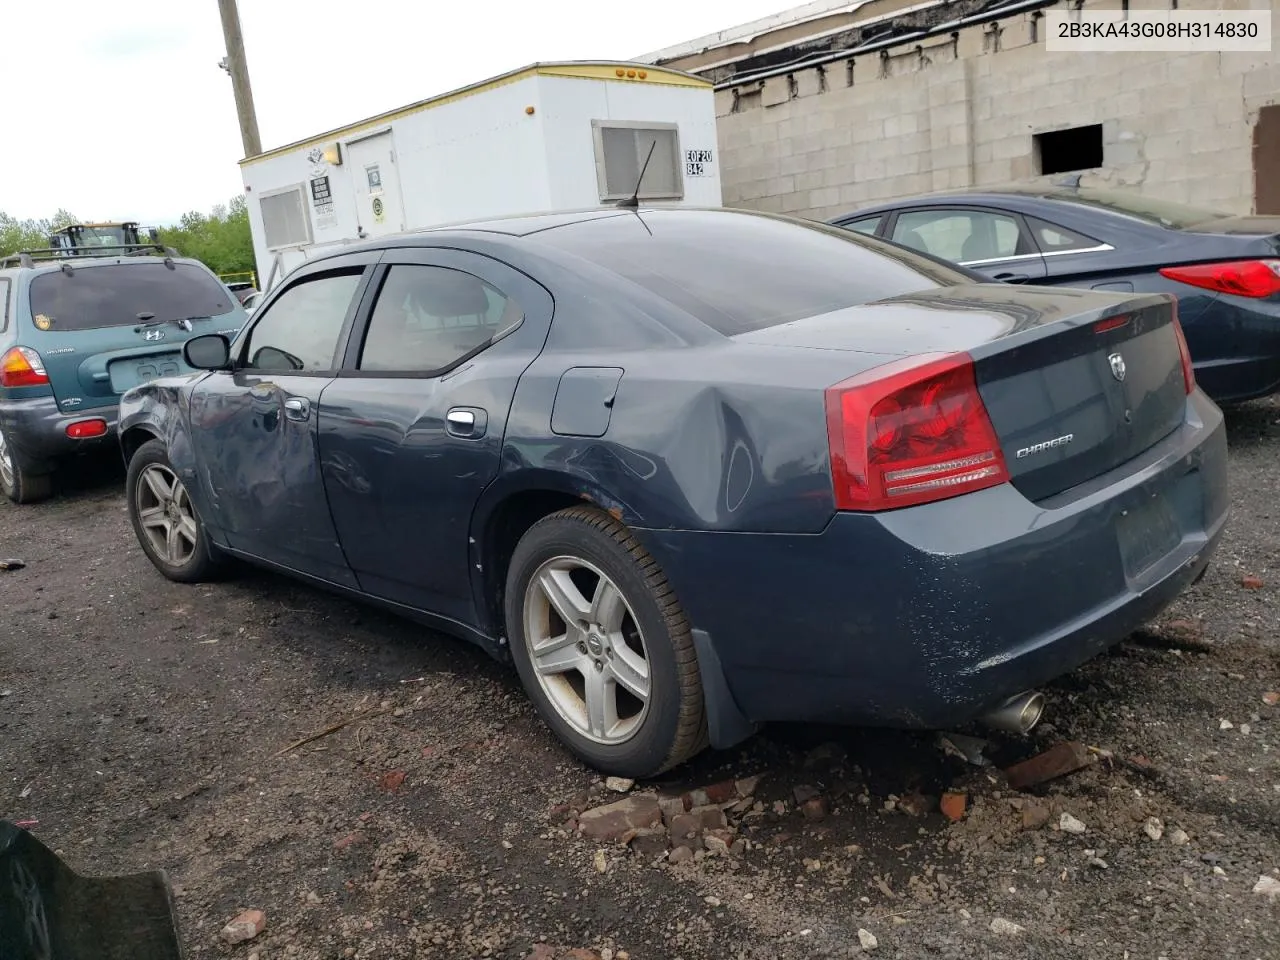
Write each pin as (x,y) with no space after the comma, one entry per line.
(219,239)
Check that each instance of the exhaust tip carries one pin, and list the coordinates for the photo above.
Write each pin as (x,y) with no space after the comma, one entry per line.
(1019,714)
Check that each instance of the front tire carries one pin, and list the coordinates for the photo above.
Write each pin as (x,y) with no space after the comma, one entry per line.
(602,645)
(164,518)
(17,482)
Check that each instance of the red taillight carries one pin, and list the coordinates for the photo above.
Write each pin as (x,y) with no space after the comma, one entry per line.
(1188,371)
(909,432)
(22,367)
(86,429)
(1241,278)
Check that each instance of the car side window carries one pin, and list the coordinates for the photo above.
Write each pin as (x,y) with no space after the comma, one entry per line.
(865,225)
(4,303)
(299,331)
(427,318)
(962,236)
(1052,238)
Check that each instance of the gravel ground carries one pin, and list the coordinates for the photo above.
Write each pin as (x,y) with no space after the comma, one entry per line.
(145,725)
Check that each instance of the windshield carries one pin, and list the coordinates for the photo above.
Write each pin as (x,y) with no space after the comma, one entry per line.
(738,272)
(113,295)
(1175,216)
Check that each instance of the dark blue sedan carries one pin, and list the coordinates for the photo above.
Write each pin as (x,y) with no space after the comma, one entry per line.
(692,471)
(1224,270)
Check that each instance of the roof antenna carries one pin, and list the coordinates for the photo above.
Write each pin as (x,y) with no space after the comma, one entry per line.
(634,200)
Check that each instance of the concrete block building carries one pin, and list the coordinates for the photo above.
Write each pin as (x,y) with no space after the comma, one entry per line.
(835,105)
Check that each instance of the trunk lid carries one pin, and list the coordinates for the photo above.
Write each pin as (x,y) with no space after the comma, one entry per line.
(1075,382)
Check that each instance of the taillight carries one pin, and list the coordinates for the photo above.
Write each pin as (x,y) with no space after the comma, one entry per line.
(1241,278)
(86,429)
(909,432)
(1188,371)
(22,367)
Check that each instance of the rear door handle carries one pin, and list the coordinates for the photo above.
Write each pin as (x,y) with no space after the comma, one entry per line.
(297,408)
(1012,277)
(468,423)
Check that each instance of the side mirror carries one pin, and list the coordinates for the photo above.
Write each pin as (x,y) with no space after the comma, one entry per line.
(212,351)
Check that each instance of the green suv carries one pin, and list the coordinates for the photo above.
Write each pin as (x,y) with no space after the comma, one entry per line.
(76,332)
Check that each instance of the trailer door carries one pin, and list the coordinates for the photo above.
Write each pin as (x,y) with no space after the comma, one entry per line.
(379,209)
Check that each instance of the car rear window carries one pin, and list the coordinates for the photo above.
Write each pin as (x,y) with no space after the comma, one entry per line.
(738,272)
(84,298)
(1175,216)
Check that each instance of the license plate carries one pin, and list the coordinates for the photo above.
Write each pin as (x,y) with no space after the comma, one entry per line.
(1147,534)
(126,374)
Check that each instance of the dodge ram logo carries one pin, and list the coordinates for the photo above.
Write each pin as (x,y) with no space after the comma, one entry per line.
(1117,366)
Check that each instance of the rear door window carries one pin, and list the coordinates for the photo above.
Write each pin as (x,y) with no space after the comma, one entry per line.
(427,318)
(962,236)
(865,225)
(86,298)
(1055,239)
(5,284)
(299,331)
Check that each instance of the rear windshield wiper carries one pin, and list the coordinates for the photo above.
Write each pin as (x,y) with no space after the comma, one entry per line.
(183,323)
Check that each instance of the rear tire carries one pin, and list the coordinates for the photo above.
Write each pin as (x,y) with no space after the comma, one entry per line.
(17,481)
(169,529)
(602,645)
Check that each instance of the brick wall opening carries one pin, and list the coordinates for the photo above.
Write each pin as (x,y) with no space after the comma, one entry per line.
(1065,151)
(1266,161)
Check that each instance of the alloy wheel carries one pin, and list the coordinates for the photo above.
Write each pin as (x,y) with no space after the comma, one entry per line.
(166,514)
(587,650)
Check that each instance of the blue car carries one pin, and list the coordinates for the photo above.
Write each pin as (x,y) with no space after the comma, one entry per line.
(691,471)
(76,331)
(1224,270)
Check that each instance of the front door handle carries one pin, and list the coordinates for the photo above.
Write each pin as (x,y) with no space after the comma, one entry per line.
(1012,277)
(468,423)
(297,408)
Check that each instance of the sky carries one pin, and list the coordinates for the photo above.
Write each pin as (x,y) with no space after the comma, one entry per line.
(119,111)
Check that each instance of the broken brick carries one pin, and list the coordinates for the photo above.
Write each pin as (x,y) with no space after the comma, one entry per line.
(1250,582)
(953,805)
(244,927)
(814,808)
(350,840)
(392,781)
(612,820)
(709,817)
(1059,760)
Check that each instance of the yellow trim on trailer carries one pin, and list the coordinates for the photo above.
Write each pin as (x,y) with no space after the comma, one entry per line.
(584,70)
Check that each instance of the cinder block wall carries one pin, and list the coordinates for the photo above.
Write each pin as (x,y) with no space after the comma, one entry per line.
(962,112)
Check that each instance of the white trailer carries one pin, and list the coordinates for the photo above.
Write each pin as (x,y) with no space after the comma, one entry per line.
(552,136)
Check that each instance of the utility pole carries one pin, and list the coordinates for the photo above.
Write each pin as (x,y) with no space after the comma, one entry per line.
(234,63)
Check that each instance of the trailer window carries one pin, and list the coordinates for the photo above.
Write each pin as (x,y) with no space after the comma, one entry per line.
(621,150)
(284,218)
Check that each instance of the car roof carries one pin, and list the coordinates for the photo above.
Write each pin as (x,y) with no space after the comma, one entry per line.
(526,225)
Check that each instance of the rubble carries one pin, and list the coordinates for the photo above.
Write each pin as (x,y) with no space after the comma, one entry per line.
(1268,886)
(1006,927)
(1035,816)
(867,939)
(968,749)
(1271,698)
(619,784)
(1178,837)
(1153,828)
(915,804)
(1058,761)
(1069,824)
(611,821)
(1250,582)
(244,927)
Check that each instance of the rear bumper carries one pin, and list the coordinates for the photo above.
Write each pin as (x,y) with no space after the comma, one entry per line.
(928,616)
(37,430)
